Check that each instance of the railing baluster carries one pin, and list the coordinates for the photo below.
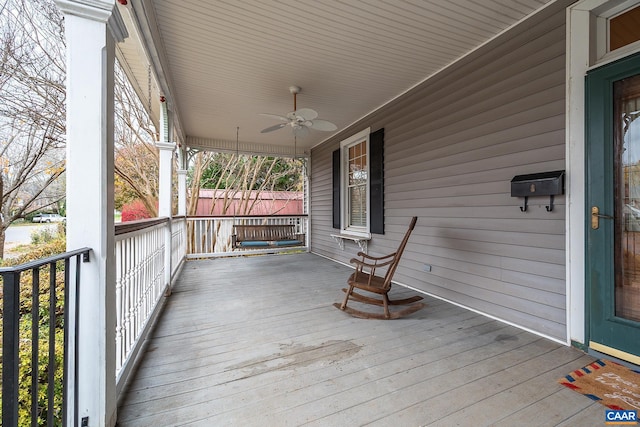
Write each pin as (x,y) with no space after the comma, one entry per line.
(135,268)
(145,242)
(134,265)
(159,263)
(35,343)
(132,282)
(119,265)
(178,249)
(51,368)
(65,341)
(10,347)
(125,292)
(76,353)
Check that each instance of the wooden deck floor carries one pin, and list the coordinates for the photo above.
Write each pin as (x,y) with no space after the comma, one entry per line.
(256,342)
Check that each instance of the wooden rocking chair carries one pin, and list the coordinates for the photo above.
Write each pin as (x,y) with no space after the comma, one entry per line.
(365,278)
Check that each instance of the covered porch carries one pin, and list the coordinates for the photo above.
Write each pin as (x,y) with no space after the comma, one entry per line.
(256,341)
(437,108)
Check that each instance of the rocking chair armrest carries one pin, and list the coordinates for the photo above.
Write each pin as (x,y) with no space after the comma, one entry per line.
(374,258)
(361,264)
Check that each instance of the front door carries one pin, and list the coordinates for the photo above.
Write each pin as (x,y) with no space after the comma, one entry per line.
(613,209)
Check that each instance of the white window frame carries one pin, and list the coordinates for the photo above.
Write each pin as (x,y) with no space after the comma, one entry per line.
(344,184)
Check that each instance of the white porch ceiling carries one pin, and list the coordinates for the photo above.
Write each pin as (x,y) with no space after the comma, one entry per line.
(223,62)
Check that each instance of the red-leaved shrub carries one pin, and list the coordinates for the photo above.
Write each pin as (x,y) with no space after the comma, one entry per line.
(134,211)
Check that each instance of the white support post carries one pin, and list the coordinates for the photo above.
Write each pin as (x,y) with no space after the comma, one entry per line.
(166,163)
(165,202)
(165,172)
(92,28)
(182,192)
(164,179)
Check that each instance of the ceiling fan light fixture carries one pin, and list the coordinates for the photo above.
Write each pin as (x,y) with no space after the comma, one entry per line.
(300,120)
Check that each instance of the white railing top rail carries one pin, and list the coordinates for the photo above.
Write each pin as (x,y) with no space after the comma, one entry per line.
(128,229)
(196,217)
(141,224)
(131,228)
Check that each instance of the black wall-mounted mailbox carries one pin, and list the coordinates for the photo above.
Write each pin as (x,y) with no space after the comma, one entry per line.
(538,184)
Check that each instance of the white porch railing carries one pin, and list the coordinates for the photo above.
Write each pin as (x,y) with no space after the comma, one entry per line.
(140,282)
(178,244)
(140,269)
(211,236)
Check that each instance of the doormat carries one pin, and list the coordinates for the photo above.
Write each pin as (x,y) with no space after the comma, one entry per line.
(609,383)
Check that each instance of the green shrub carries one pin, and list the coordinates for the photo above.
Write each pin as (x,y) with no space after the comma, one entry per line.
(43,316)
(61,228)
(44,235)
(53,247)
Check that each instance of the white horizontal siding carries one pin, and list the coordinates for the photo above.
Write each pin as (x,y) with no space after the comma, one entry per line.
(452,147)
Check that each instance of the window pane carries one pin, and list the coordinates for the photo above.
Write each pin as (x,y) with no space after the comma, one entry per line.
(357,206)
(357,185)
(363,177)
(352,172)
(624,29)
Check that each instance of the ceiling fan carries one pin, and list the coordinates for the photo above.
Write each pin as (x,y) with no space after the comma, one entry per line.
(300,120)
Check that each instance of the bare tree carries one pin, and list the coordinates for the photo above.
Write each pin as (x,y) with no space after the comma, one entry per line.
(243,178)
(136,158)
(32,108)
(200,162)
(237,181)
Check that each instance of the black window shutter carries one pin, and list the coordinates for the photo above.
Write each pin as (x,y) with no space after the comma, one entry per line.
(376,181)
(336,189)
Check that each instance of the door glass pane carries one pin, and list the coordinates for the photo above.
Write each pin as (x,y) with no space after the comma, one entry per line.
(627,191)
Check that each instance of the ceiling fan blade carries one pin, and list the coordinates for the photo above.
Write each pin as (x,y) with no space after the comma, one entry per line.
(306,113)
(301,131)
(323,125)
(275,116)
(272,128)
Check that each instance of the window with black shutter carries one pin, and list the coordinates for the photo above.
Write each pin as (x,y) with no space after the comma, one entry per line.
(358,184)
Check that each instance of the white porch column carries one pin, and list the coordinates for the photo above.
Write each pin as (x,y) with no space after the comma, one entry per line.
(165,172)
(164,179)
(92,28)
(182,192)
(165,199)
(165,169)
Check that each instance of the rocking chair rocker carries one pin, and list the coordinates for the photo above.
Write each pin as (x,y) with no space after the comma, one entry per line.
(365,278)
